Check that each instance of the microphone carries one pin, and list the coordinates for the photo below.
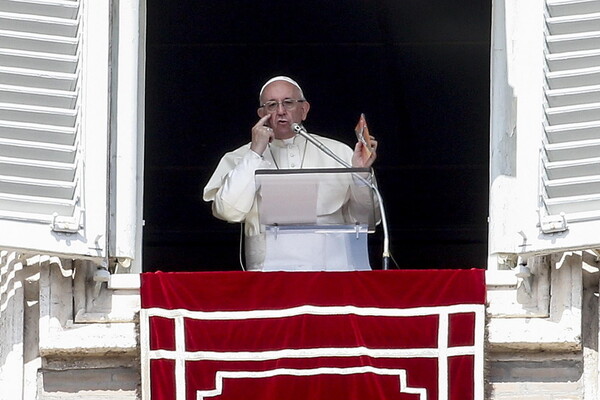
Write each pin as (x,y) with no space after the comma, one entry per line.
(299,129)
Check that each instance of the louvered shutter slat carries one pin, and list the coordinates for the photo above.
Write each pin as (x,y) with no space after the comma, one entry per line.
(34,114)
(31,187)
(574,60)
(37,78)
(39,24)
(34,60)
(571,7)
(574,42)
(571,79)
(37,96)
(574,169)
(574,186)
(46,8)
(568,24)
(573,113)
(37,132)
(573,96)
(573,151)
(36,42)
(34,151)
(573,132)
(42,207)
(37,169)
(574,205)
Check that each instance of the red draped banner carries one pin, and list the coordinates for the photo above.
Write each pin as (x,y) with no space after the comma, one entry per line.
(394,335)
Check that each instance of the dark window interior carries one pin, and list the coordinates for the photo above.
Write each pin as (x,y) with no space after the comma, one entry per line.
(418,69)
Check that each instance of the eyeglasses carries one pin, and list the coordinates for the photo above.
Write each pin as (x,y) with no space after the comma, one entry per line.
(288,104)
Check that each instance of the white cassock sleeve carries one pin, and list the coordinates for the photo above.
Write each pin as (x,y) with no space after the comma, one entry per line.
(231,187)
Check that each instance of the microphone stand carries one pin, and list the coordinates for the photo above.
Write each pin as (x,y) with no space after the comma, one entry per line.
(299,129)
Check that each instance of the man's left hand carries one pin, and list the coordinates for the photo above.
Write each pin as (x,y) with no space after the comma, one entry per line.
(358,161)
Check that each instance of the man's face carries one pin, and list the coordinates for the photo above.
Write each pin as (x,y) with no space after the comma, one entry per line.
(281,120)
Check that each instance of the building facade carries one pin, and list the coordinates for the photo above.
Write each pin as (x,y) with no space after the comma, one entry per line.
(72,71)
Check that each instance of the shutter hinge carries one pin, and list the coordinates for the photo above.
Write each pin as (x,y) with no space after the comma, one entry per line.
(553,223)
(65,224)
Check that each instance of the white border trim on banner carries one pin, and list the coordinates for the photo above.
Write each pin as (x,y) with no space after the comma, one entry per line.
(221,375)
(442,352)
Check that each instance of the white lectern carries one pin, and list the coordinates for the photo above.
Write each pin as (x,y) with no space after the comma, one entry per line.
(316,219)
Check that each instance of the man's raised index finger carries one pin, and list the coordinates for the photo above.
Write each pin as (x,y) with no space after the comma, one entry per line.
(262,121)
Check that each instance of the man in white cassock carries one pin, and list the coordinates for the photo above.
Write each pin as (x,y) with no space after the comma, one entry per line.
(275,145)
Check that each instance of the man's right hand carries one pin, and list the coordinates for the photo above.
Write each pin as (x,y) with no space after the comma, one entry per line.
(261,136)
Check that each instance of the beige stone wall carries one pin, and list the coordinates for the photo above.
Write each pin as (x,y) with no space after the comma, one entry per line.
(93,378)
(534,355)
(64,335)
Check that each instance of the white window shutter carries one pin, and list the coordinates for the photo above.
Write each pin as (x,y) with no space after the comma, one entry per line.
(546,197)
(54,124)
